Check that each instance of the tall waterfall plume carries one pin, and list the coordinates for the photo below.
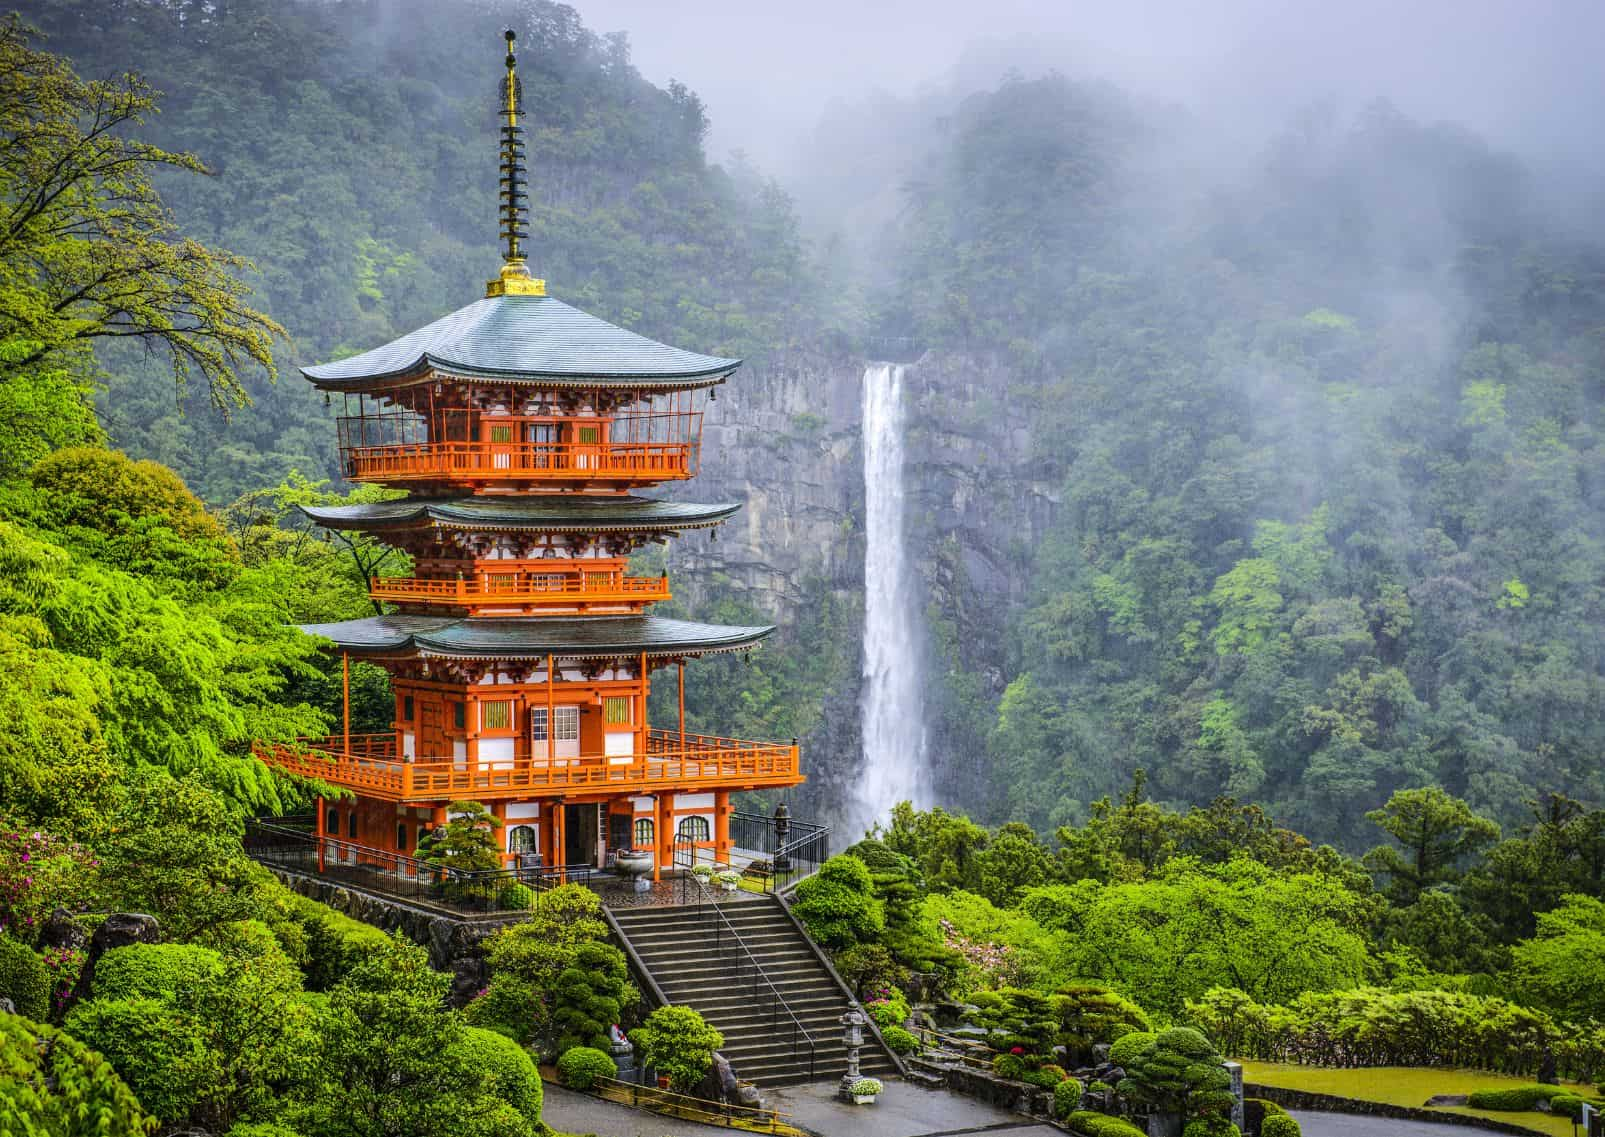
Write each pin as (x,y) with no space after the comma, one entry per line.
(891,712)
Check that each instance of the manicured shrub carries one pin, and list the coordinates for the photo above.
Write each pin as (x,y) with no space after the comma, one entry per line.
(154,971)
(154,1048)
(899,1041)
(1211,1127)
(837,904)
(510,1072)
(515,897)
(890,1008)
(1010,1066)
(1092,1124)
(1515,1099)
(335,943)
(580,1067)
(24,979)
(677,1043)
(590,995)
(1066,1098)
(1128,1046)
(1278,1125)
(1043,1079)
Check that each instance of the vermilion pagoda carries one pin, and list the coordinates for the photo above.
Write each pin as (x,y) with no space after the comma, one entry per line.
(521,650)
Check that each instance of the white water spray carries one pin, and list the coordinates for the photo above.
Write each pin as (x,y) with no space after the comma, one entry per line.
(892,715)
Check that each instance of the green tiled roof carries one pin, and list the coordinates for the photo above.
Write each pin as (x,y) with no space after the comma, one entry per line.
(533,636)
(554,513)
(533,339)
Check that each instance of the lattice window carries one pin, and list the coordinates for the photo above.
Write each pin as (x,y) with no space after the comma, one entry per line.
(616,710)
(497,715)
(692,829)
(644,830)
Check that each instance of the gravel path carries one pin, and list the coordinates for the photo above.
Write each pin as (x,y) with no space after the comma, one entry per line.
(1353,1125)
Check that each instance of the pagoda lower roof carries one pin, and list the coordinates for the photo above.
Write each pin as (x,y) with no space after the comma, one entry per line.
(552,513)
(536,340)
(532,636)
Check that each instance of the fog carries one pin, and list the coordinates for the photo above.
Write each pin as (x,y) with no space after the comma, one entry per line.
(1523,74)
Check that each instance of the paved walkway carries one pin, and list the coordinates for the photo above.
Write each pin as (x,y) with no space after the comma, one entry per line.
(1354,1125)
(903,1111)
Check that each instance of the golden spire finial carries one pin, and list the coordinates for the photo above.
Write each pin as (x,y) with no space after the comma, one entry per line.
(515,279)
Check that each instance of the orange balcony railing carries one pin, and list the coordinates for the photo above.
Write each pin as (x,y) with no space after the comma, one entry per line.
(370,766)
(549,589)
(635,462)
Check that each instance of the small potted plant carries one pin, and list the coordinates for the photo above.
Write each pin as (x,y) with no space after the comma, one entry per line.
(727,879)
(866,1090)
(702,872)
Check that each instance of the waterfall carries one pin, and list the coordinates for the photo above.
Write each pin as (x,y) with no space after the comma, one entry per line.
(891,714)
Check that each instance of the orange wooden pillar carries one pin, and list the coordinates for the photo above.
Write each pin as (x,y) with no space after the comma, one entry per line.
(721,826)
(663,838)
(559,841)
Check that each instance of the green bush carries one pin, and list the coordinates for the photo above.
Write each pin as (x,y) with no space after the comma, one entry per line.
(52,1083)
(1010,1066)
(837,904)
(1128,1046)
(154,971)
(510,1072)
(1098,1086)
(154,1048)
(1043,1079)
(1211,1127)
(1515,1099)
(1093,1124)
(1571,1105)
(515,897)
(24,979)
(335,943)
(579,1068)
(892,1010)
(899,1041)
(1066,1098)
(1278,1125)
(676,1042)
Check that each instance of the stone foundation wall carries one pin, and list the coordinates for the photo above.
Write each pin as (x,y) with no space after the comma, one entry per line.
(451,941)
(990,1088)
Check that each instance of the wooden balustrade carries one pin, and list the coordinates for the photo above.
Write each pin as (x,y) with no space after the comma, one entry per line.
(641,462)
(527,588)
(376,771)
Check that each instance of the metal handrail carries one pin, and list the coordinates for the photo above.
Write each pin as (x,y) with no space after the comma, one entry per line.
(725,926)
(688,1108)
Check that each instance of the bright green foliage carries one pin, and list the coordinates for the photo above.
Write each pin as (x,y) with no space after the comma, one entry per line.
(1128,1046)
(837,904)
(1279,1125)
(154,971)
(1023,1019)
(1178,1070)
(467,844)
(590,995)
(154,1048)
(891,1009)
(1066,1098)
(580,1067)
(334,943)
(676,1042)
(1088,1015)
(906,939)
(1010,1066)
(1092,1124)
(944,846)
(510,1092)
(1562,968)
(898,1040)
(53,1085)
(24,979)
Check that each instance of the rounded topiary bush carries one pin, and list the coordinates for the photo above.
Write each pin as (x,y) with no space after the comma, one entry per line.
(1066,1098)
(1092,1124)
(899,1041)
(1278,1125)
(1008,1066)
(1211,1127)
(1128,1046)
(515,897)
(24,979)
(1043,1079)
(153,971)
(580,1067)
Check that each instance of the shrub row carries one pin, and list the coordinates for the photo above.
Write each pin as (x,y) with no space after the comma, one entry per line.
(1091,1124)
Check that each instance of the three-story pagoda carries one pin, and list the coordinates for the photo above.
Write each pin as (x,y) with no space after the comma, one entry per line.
(521,650)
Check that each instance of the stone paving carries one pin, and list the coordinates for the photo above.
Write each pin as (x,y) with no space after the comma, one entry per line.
(903,1110)
(1354,1125)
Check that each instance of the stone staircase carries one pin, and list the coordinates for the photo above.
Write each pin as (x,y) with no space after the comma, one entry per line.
(677,947)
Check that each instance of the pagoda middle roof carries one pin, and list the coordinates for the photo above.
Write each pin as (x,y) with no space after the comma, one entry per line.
(536,340)
(548,513)
(528,637)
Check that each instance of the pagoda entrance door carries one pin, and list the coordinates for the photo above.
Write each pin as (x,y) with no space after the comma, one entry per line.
(580,827)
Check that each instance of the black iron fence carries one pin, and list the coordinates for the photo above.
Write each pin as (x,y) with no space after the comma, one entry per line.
(297,848)
(786,850)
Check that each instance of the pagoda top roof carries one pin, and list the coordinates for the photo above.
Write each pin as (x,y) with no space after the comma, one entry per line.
(533,340)
(532,636)
(546,513)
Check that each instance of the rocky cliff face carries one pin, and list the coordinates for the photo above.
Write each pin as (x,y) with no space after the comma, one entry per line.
(784,438)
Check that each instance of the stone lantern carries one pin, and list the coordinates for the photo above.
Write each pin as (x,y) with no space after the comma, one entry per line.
(853,1038)
(782,832)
